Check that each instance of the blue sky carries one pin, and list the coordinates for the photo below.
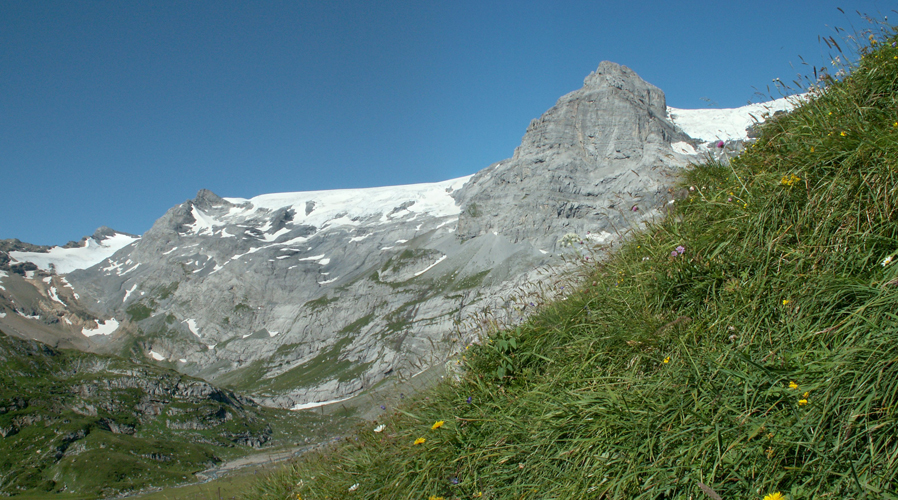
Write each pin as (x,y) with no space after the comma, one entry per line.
(113,112)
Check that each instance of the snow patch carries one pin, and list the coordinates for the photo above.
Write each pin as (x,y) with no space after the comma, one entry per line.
(54,297)
(328,281)
(360,238)
(2,315)
(272,334)
(128,293)
(428,268)
(170,251)
(155,355)
(306,406)
(106,328)
(191,325)
(20,313)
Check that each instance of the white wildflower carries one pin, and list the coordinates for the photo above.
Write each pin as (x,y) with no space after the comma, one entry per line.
(569,239)
(887,261)
(380,428)
(354,487)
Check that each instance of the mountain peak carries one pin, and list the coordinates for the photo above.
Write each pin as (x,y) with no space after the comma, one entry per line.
(206,199)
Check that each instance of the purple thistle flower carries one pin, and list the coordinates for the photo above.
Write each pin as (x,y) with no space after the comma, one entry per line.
(635,208)
(720,144)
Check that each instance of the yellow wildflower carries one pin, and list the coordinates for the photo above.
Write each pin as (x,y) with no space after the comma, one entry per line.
(774,496)
(785,301)
(419,441)
(843,134)
(667,359)
(434,497)
(802,402)
(436,425)
(793,385)
(812,149)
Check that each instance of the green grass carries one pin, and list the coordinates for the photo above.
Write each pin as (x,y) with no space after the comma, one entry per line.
(762,358)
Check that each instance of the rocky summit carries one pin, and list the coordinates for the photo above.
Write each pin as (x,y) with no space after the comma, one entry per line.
(308,297)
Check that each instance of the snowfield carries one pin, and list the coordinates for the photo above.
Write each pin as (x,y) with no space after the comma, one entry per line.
(66,260)
(728,124)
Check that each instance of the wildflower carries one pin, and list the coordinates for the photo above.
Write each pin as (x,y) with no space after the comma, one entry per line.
(895,124)
(770,452)
(793,385)
(453,480)
(802,402)
(469,400)
(667,360)
(354,487)
(785,301)
(790,180)
(812,149)
(720,144)
(298,496)
(419,441)
(774,496)
(382,407)
(680,249)
(692,188)
(674,253)
(887,261)
(434,497)
(436,425)
(380,428)
(569,239)
(478,494)
(843,134)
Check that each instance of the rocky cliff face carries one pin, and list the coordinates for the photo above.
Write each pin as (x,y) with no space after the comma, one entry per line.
(316,296)
(596,162)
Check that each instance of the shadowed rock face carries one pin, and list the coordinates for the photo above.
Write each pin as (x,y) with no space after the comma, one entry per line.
(304,297)
(582,166)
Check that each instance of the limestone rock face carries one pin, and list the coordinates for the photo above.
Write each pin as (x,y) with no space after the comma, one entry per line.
(597,161)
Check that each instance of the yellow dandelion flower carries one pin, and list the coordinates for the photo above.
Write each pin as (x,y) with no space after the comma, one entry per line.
(802,402)
(667,359)
(805,395)
(774,496)
(436,425)
(419,441)
(843,134)
(785,301)
(793,385)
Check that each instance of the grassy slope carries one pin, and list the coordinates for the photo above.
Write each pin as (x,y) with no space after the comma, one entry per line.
(761,359)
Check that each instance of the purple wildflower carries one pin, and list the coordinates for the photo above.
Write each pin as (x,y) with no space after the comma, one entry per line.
(680,250)
(382,407)
(635,208)
(454,480)
(720,144)
(674,253)
(469,400)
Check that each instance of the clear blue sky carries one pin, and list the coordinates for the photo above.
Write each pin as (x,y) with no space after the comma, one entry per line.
(111,112)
